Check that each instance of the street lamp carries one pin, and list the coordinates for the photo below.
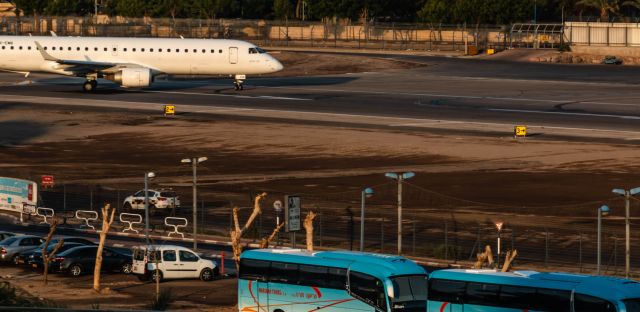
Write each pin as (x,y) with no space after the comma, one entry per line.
(602,212)
(147,176)
(194,164)
(400,177)
(627,248)
(499,226)
(366,193)
(277,205)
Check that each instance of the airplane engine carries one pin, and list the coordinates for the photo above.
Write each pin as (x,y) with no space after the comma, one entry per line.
(133,77)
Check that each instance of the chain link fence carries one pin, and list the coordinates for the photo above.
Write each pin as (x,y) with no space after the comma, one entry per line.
(384,36)
(434,225)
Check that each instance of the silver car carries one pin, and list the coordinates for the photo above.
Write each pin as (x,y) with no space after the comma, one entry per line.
(13,246)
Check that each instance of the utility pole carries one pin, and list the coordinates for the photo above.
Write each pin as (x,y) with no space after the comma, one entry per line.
(147,176)
(194,165)
(602,211)
(366,193)
(400,177)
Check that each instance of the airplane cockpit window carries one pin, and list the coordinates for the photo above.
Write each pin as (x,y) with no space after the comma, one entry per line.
(253,51)
(261,51)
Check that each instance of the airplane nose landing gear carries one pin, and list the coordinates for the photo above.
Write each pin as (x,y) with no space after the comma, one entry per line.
(239,82)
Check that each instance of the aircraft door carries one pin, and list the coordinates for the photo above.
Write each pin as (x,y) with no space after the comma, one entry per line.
(233,55)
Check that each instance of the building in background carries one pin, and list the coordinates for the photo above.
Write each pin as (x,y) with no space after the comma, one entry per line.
(7,8)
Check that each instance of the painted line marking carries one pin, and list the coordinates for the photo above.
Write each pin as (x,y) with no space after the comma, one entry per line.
(264,97)
(563,113)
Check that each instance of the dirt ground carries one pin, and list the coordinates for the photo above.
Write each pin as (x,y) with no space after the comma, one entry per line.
(122,291)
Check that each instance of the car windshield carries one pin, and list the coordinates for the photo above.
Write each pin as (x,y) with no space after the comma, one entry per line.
(409,293)
(632,305)
(168,194)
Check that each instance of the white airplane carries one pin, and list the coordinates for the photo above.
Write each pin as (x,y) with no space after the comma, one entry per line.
(133,62)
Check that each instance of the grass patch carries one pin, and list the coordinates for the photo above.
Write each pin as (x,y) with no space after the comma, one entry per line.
(164,301)
(14,297)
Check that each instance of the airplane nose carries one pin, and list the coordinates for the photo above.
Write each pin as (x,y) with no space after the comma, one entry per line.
(276,66)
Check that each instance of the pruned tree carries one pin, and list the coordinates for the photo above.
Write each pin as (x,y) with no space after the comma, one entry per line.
(308,226)
(238,232)
(508,260)
(484,257)
(108,215)
(267,240)
(46,257)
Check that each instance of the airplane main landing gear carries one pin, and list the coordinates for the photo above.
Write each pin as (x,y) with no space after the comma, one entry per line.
(90,86)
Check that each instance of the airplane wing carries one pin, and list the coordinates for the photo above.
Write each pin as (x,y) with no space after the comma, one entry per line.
(82,68)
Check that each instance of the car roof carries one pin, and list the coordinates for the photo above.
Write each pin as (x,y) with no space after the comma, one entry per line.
(161,247)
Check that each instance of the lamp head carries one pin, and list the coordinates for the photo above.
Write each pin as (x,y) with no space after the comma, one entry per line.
(619,191)
(635,191)
(604,210)
(202,159)
(391,175)
(408,175)
(151,175)
(368,192)
(186,161)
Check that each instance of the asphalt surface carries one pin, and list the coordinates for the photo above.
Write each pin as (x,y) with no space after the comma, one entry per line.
(451,94)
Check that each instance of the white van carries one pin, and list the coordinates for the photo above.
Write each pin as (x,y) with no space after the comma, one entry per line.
(174,262)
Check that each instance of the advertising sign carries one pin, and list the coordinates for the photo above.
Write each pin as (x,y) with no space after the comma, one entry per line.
(47,181)
(292,213)
(14,193)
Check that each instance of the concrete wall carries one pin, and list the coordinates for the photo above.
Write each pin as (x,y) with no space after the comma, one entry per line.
(616,51)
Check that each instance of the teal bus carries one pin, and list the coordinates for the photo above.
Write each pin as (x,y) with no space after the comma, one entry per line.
(291,280)
(491,291)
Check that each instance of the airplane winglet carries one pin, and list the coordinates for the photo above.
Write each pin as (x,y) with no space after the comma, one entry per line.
(46,56)
(53,33)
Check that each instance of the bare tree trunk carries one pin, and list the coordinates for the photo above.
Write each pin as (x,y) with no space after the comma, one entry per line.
(308,226)
(267,240)
(509,258)
(45,256)
(483,257)
(237,233)
(106,225)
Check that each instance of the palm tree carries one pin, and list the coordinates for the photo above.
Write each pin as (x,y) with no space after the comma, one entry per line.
(632,3)
(604,6)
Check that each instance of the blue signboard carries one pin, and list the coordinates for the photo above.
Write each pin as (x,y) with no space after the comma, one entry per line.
(14,193)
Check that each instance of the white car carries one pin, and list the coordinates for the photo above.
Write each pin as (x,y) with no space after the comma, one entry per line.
(157,199)
(173,262)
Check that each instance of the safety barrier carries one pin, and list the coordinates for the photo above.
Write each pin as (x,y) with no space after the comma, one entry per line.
(45,213)
(90,215)
(175,226)
(130,223)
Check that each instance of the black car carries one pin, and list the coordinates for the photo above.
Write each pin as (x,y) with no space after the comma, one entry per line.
(22,258)
(80,260)
(4,235)
(36,261)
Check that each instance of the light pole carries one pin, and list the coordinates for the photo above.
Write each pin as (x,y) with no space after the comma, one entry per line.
(366,193)
(627,213)
(147,176)
(277,205)
(400,177)
(602,211)
(194,164)
(499,226)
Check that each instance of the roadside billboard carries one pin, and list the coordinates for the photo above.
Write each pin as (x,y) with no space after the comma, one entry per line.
(15,193)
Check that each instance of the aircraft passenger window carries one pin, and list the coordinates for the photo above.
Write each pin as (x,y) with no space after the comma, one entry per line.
(68,48)
(151,50)
(45,48)
(213,51)
(195,51)
(86,49)
(186,50)
(105,49)
(77,48)
(124,49)
(54,48)
(134,49)
(168,50)
(159,50)
(204,51)
(142,50)
(11,47)
(95,48)
(29,48)
(20,48)
(2,47)
(220,50)
(115,49)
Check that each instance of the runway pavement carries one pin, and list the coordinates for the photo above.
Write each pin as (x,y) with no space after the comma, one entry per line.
(448,94)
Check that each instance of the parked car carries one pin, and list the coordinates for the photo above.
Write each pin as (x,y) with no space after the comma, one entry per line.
(174,262)
(22,258)
(12,247)
(82,259)
(36,261)
(4,235)
(157,199)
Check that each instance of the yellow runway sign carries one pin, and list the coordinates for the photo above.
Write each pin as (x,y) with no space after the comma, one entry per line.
(520,131)
(169,110)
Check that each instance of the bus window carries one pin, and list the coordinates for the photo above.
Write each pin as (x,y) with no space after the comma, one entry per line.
(409,293)
(286,273)
(337,278)
(584,303)
(254,269)
(632,305)
(553,300)
(315,276)
(368,289)
(446,291)
(517,297)
(482,294)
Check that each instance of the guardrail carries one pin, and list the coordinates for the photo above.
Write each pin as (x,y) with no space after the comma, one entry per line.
(176,226)
(45,213)
(93,217)
(130,223)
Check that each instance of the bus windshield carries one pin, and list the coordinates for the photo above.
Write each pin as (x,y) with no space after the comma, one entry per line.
(409,293)
(632,305)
